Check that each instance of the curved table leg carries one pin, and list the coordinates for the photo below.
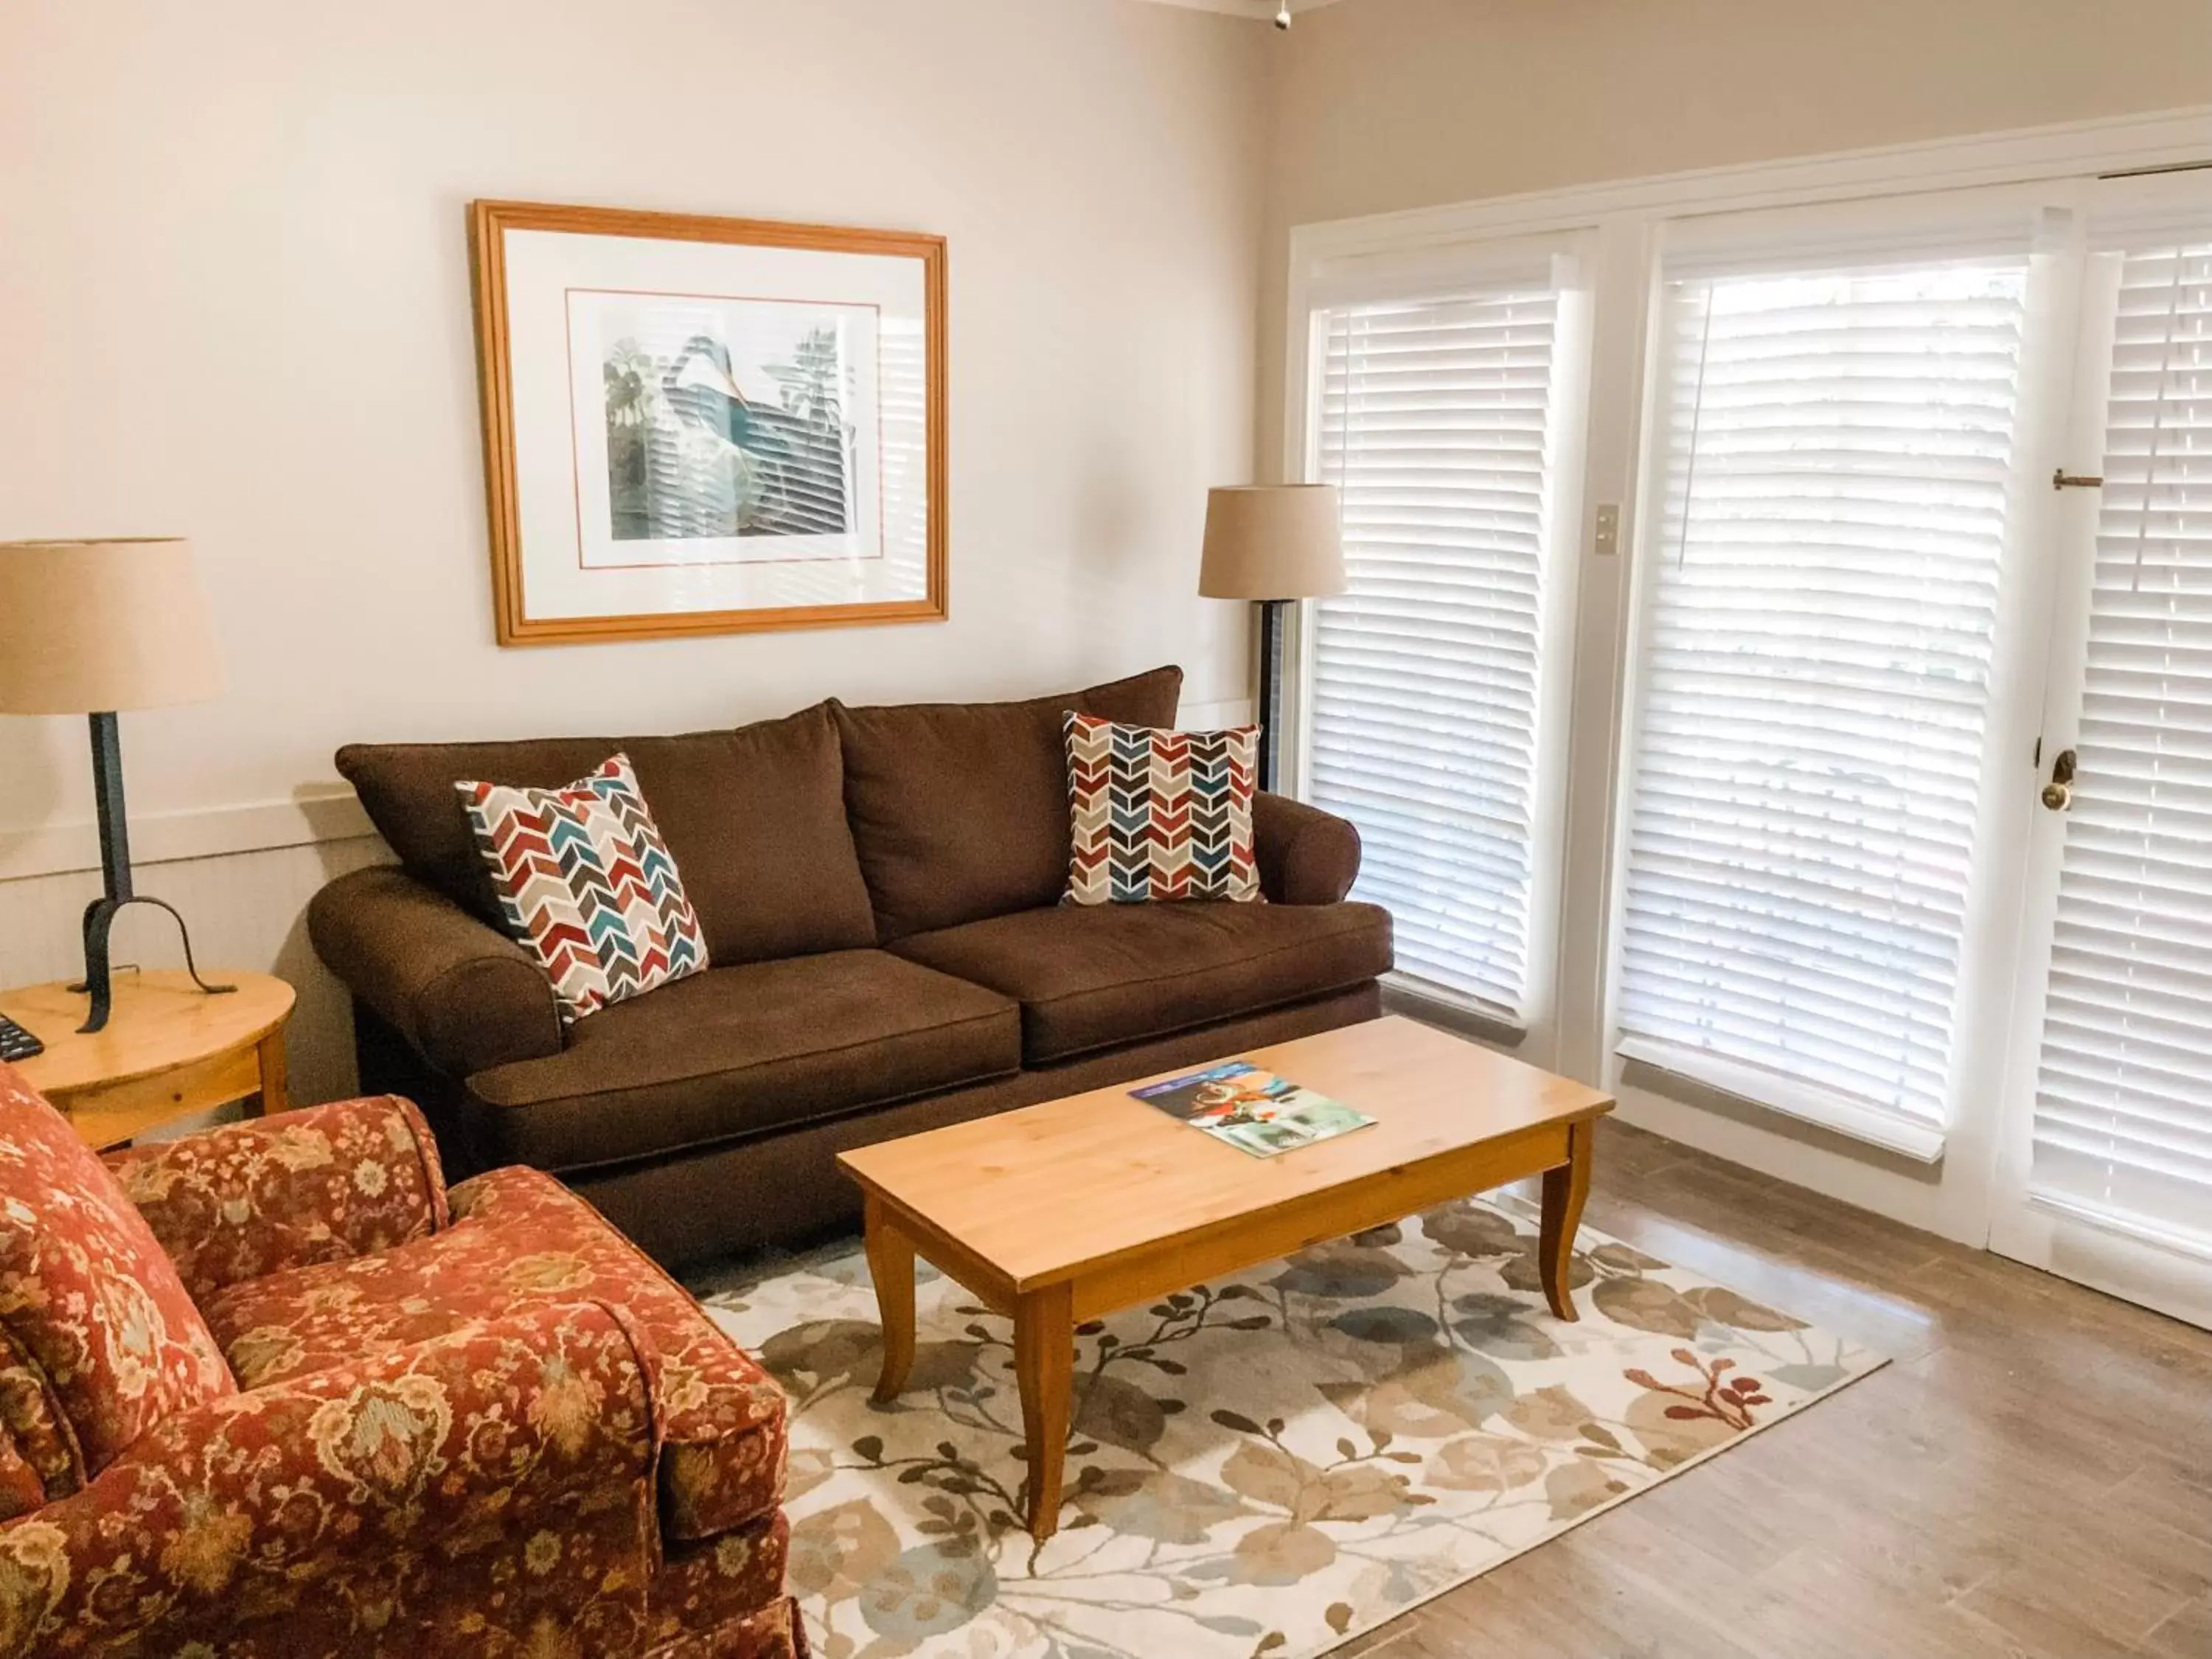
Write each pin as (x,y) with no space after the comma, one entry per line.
(890,1265)
(1564,1190)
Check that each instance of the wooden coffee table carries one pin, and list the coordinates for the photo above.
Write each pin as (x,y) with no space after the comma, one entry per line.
(1058,1213)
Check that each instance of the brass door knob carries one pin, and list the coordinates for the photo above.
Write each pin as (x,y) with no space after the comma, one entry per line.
(2058,794)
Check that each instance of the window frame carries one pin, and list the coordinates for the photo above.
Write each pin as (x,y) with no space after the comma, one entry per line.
(1359,281)
(1625,221)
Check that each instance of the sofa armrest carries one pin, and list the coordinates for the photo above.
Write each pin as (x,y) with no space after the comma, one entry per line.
(1306,856)
(322,1184)
(327,1504)
(465,995)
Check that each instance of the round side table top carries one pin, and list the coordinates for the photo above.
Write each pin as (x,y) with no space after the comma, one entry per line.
(160,1021)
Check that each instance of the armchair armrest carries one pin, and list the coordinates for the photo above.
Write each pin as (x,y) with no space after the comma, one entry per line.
(321,1184)
(463,994)
(519,1452)
(1306,856)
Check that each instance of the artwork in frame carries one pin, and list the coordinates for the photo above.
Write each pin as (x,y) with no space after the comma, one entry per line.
(707,426)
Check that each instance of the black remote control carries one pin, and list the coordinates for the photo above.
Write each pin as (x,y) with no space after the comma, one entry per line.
(16,1042)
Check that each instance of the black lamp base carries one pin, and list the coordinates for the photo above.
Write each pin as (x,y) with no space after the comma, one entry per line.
(115,872)
(98,917)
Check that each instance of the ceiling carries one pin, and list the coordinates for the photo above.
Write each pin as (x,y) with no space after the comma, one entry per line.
(1261,9)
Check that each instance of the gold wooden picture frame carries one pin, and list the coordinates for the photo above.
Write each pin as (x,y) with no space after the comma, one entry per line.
(699,425)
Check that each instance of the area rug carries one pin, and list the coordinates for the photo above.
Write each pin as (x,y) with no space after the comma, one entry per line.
(1268,1465)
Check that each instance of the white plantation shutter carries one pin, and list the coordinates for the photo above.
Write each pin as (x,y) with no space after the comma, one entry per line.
(1836,449)
(1435,421)
(2124,1104)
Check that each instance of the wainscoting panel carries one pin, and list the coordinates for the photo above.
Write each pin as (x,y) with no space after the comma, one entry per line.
(247,910)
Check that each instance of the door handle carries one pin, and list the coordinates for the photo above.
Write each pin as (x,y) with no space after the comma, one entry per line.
(2058,794)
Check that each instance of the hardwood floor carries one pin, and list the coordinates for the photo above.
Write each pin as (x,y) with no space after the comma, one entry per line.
(2031,1479)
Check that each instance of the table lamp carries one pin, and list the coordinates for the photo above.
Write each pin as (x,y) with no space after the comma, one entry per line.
(95,627)
(1276,544)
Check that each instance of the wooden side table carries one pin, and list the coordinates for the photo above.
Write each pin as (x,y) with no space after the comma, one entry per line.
(169,1050)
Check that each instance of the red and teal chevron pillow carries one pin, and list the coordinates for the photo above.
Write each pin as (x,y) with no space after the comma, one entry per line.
(1160,815)
(587,884)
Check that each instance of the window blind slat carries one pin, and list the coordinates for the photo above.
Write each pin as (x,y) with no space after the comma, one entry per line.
(2124,1104)
(1434,422)
(1837,446)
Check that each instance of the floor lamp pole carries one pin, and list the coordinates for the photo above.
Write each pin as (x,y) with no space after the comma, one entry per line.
(115,879)
(1272,612)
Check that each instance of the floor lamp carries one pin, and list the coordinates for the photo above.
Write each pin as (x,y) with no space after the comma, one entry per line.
(1277,544)
(95,627)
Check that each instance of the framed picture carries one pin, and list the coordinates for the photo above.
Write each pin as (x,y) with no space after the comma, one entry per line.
(706,426)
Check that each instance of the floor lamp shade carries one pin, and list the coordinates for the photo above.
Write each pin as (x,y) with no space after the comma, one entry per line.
(1275,543)
(95,627)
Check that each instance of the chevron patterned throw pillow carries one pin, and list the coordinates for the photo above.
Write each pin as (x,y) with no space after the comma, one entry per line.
(587,884)
(1160,815)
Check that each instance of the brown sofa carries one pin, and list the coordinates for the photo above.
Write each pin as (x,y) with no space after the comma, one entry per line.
(879,890)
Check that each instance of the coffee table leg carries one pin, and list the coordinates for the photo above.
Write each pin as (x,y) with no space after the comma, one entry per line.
(891,1264)
(1044,1365)
(1564,1190)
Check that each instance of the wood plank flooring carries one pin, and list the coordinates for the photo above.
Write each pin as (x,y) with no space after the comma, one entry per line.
(2031,1479)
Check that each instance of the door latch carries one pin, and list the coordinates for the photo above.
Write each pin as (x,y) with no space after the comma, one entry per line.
(2062,479)
(2058,794)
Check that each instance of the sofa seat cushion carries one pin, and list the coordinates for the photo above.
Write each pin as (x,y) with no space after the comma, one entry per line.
(1092,976)
(518,1236)
(735,1051)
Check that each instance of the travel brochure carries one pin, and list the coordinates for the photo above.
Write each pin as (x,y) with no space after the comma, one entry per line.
(1253,1110)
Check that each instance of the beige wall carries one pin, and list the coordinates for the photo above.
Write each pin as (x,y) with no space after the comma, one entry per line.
(1391,104)
(234,304)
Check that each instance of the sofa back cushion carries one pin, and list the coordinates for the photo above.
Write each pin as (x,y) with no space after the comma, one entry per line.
(755,818)
(959,810)
(86,1294)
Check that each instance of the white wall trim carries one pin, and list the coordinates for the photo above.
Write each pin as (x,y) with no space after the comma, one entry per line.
(54,849)
(333,812)
(2120,143)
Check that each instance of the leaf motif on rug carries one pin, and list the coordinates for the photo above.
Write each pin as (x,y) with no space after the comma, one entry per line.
(1264,1466)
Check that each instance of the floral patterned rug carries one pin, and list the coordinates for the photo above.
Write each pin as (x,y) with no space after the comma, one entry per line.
(1268,1465)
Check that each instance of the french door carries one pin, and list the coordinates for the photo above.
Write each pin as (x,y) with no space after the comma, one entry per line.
(1866,633)
(2104,1160)
(1917,844)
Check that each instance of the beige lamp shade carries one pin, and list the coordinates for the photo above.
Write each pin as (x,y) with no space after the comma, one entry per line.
(1273,542)
(94,627)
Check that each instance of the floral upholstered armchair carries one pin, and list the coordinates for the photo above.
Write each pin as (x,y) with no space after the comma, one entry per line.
(273,1391)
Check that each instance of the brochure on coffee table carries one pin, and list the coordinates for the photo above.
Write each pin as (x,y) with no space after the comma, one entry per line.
(1253,1110)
